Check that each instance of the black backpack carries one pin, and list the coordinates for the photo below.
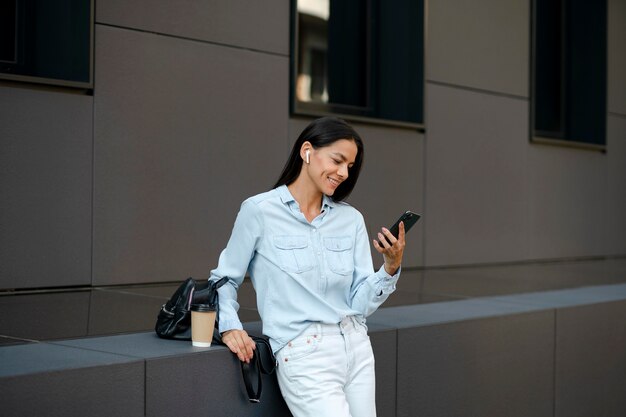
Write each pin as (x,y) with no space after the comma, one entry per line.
(174,319)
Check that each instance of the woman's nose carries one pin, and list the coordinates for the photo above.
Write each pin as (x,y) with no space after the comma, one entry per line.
(343,171)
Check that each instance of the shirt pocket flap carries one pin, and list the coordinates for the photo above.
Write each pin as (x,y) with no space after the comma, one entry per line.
(338,244)
(290,242)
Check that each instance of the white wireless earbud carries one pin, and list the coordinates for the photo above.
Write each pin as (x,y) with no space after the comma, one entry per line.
(308,159)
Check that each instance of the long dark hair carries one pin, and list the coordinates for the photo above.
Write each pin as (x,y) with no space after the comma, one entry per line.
(323,132)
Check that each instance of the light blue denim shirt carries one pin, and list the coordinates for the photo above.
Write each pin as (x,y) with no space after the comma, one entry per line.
(302,272)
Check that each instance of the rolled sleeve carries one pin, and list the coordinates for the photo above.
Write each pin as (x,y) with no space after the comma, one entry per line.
(383,283)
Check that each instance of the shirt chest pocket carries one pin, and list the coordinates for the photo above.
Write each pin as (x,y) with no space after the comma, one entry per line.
(339,254)
(294,253)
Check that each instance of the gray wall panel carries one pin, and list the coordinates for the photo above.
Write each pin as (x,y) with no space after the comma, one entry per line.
(476,185)
(568,202)
(590,360)
(113,312)
(256,25)
(616,160)
(390,182)
(482,44)
(184,131)
(45,187)
(616,88)
(45,316)
(500,366)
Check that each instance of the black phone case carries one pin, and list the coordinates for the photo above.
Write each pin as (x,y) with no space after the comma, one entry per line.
(409,218)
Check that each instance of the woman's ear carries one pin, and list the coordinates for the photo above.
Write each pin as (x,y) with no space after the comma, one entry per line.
(305,152)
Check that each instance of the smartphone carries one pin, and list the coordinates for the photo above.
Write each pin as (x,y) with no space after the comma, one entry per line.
(409,218)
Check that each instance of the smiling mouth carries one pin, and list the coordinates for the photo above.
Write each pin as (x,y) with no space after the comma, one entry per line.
(334,182)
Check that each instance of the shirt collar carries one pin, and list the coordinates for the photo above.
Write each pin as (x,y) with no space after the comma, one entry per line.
(327,202)
(286,197)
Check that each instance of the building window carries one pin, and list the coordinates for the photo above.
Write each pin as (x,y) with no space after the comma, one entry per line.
(359,59)
(569,72)
(47,42)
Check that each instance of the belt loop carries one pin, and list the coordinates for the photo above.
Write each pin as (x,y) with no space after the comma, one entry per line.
(342,325)
(347,325)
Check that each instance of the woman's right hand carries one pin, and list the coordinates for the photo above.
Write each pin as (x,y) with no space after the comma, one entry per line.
(239,343)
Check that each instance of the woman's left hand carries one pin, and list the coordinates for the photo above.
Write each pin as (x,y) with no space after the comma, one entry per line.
(392,253)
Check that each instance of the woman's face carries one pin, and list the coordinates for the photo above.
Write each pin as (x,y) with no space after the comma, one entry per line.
(329,165)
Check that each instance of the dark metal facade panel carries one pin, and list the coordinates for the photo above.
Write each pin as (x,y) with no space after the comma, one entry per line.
(169,179)
(45,188)
(262,25)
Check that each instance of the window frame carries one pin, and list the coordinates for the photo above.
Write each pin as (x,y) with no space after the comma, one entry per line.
(537,136)
(348,112)
(59,82)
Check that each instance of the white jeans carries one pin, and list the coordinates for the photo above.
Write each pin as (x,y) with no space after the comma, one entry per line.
(329,371)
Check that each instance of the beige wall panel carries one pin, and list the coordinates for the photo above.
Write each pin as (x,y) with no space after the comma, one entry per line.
(616,159)
(617,57)
(568,202)
(482,44)
(476,186)
(184,131)
(260,25)
(391,181)
(45,187)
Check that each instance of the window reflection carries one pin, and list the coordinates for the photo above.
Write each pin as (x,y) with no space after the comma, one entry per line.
(332,52)
(311,82)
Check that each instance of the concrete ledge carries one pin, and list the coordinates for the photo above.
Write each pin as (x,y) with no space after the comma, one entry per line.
(496,366)
(590,378)
(556,353)
(186,380)
(42,379)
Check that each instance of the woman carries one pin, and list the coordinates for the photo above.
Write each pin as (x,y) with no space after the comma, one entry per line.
(309,259)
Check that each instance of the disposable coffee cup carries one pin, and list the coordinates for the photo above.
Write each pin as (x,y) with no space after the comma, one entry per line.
(202,324)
